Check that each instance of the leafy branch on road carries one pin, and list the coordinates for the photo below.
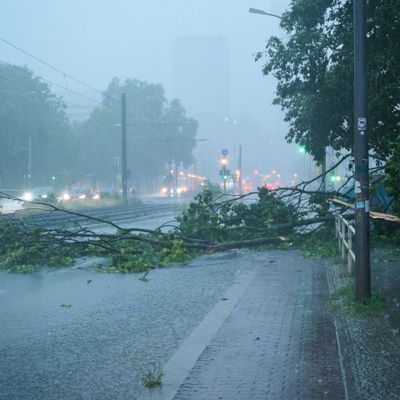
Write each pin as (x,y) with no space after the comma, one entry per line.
(211,223)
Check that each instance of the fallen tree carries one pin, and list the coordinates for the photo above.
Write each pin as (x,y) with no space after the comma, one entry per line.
(212,222)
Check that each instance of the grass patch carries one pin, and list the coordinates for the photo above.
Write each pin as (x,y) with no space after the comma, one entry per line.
(343,301)
(152,378)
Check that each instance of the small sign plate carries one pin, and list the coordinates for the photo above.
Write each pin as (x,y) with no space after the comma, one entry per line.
(360,205)
(362,124)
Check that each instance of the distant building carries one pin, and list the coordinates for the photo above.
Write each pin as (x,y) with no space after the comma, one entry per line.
(200,75)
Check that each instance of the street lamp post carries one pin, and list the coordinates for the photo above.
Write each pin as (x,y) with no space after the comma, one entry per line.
(239,177)
(124,174)
(30,162)
(361,187)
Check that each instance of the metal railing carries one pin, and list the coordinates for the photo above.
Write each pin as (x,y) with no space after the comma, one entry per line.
(344,234)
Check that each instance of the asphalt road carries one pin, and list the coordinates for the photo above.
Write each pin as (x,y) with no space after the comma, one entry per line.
(76,333)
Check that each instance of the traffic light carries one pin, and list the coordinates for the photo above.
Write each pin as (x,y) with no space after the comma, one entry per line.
(225,174)
(302,149)
(335,178)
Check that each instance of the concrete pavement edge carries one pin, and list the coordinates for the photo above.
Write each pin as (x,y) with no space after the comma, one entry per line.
(184,359)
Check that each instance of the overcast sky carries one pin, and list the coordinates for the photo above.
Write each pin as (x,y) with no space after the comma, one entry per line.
(95,40)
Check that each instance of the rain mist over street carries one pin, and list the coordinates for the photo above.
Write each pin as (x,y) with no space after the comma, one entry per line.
(199,200)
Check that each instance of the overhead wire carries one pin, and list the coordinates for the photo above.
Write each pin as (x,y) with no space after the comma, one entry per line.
(79,106)
(66,75)
(51,83)
(88,109)
(71,91)
(69,111)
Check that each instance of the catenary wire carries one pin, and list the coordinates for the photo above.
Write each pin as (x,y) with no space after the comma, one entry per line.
(48,81)
(57,69)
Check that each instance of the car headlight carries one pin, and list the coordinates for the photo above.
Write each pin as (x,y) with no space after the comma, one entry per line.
(66,197)
(96,196)
(82,196)
(27,196)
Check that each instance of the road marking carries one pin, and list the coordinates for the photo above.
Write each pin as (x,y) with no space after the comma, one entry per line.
(184,359)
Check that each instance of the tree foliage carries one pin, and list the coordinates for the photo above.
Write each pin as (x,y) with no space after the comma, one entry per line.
(29,110)
(314,68)
(209,219)
(158,132)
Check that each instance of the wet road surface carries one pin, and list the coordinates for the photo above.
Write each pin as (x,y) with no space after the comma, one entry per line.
(80,334)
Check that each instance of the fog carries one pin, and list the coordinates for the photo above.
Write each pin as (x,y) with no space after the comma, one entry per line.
(96,40)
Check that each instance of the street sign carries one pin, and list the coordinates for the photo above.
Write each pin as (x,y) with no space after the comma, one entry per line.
(224,152)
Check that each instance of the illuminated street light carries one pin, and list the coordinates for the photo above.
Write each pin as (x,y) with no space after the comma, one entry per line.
(224,161)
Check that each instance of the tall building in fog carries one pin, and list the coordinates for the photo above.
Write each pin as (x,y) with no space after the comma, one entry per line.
(200,75)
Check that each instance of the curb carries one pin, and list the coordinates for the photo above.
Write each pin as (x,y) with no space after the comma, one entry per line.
(342,336)
(184,359)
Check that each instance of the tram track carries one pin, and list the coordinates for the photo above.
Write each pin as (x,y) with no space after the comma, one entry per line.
(118,214)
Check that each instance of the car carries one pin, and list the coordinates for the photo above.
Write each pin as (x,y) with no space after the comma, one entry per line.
(79,193)
(38,193)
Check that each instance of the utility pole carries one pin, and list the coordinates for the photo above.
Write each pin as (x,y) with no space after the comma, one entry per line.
(240,171)
(323,170)
(195,174)
(361,188)
(30,162)
(176,180)
(124,174)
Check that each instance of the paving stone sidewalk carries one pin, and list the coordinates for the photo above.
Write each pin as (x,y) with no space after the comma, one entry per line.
(279,342)
(371,346)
